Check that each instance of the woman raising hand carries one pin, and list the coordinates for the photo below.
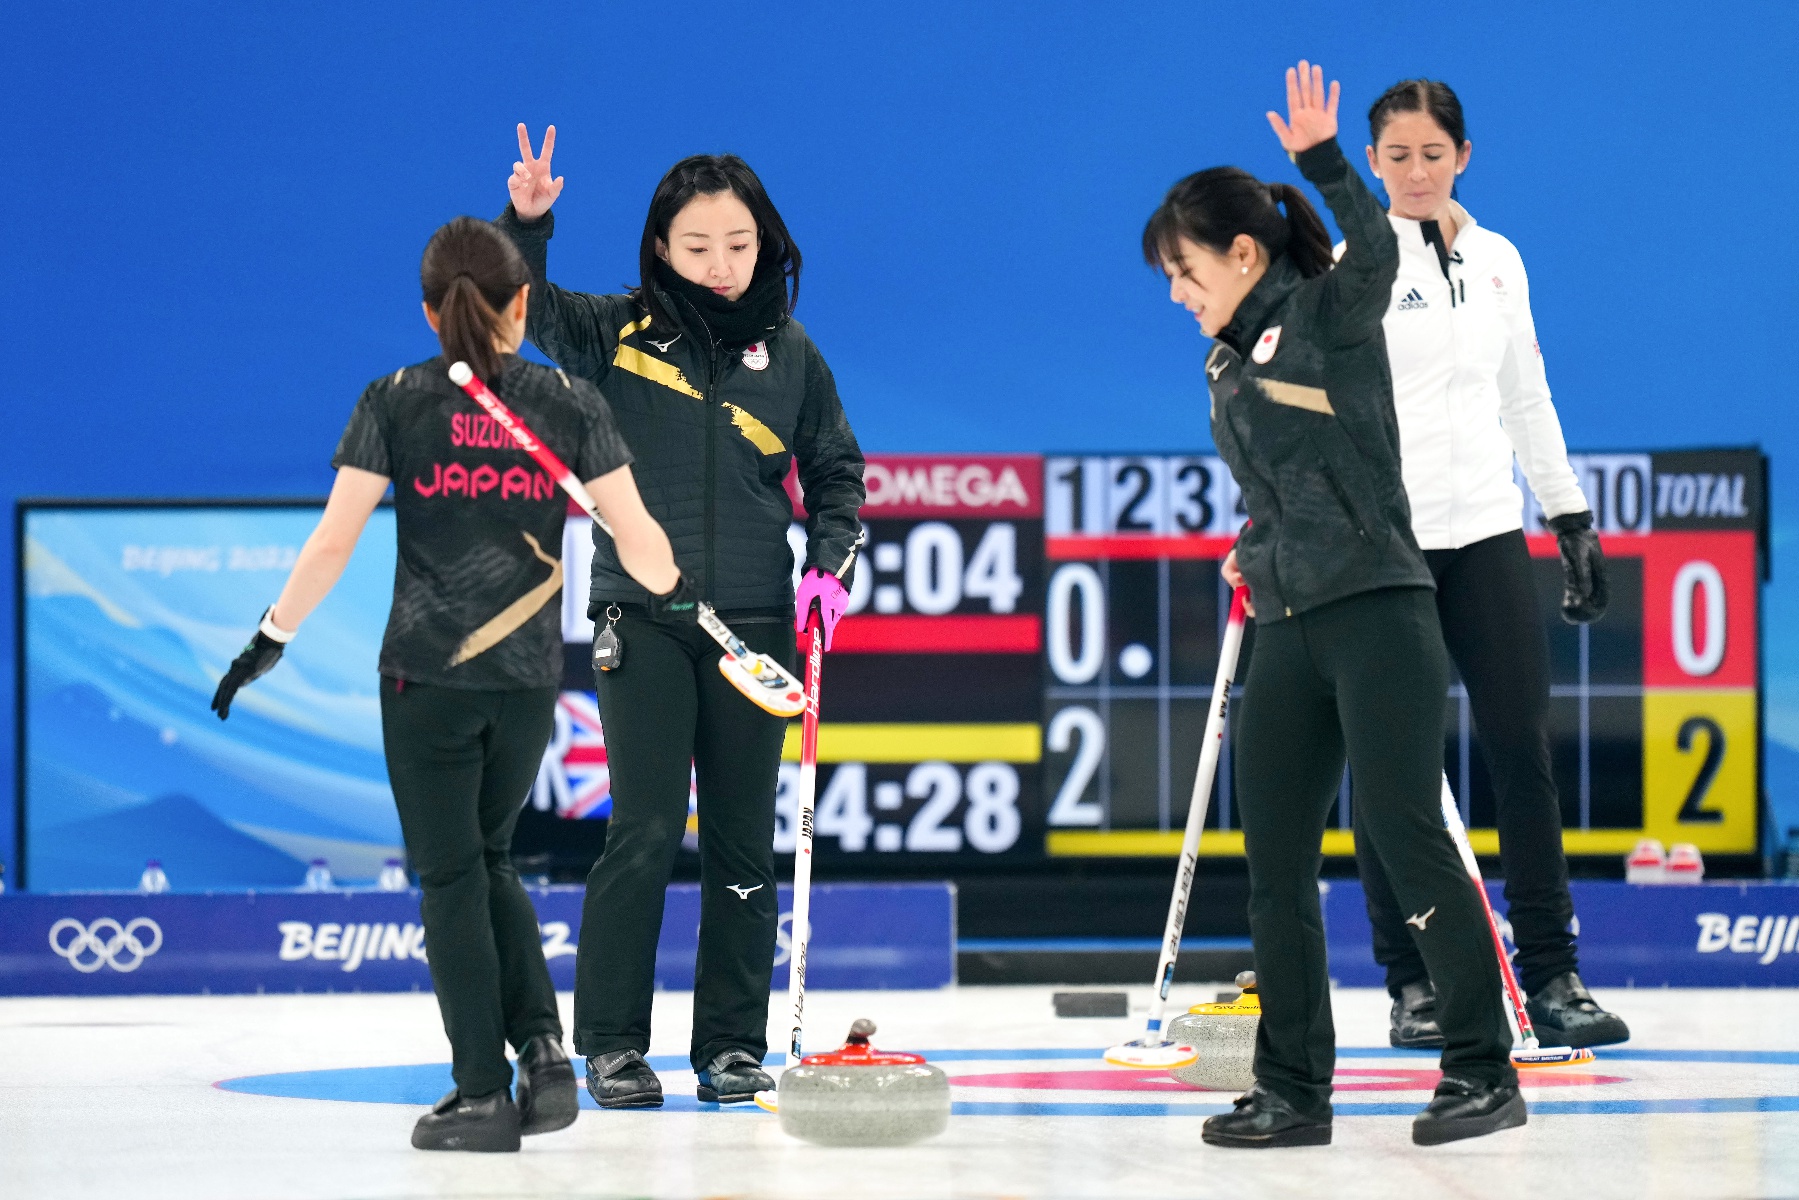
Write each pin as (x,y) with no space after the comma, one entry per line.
(718,390)
(1349,658)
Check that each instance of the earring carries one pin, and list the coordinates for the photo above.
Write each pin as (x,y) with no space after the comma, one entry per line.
(1246,270)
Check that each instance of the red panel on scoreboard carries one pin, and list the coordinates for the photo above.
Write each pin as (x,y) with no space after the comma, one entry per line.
(1138,546)
(1001,633)
(953,485)
(1699,609)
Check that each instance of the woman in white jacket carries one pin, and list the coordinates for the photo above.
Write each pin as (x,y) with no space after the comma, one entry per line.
(1471,395)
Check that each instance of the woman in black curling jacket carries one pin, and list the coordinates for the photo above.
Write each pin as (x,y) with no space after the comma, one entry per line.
(1471,396)
(717,389)
(1348,653)
(472,658)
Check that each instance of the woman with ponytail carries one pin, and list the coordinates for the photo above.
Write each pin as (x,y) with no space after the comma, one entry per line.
(472,660)
(720,393)
(1472,397)
(1348,657)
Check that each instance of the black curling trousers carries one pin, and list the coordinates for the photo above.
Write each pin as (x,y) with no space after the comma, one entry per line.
(1493,627)
(664,709)
(461,763)
(1365,675)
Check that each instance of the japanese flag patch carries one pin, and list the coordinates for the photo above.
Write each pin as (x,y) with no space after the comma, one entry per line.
(756,357)
(1266,345)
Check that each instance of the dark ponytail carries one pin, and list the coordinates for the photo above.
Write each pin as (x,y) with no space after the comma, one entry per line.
(1308,242)
(1212,207)
(470,273)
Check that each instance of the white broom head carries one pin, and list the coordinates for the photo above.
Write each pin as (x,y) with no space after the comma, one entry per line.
(767,688)
(1156,1056)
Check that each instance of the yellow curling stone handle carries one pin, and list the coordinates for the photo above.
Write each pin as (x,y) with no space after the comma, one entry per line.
(1247,1005)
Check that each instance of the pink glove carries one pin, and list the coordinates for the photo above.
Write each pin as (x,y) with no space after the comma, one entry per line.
(832,599)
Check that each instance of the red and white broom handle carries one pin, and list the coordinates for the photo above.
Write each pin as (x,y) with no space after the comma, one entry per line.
(801,935)
(1452,819)
(481,394)
(1209,750)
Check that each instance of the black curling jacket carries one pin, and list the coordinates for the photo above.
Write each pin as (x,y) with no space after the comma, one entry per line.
(713,429)
(1302,411)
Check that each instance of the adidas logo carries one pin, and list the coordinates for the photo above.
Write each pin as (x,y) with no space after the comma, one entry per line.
(1411,300)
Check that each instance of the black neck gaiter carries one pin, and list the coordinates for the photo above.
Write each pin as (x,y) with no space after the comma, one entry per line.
(733,322)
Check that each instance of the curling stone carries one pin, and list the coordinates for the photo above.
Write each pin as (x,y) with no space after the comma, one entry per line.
(1225,1036)
(860,1096)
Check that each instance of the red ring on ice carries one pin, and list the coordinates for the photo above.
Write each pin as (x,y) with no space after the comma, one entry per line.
(1348,1079)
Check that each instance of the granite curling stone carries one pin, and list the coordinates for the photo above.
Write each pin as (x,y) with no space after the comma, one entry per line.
(1225,1036)
(860,1096)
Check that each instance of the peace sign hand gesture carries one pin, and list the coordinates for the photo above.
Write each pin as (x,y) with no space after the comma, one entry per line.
(532,188)
(1311,118)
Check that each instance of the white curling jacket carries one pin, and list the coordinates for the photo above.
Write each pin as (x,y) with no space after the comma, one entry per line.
(1469,389)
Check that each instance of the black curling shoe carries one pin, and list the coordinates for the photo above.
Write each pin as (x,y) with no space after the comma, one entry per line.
(1264,1121)
(733,1077)
(1467,1108)
(1414,1021)
(1566,1014)
(546,1086)
(621,1079)
(485,1123)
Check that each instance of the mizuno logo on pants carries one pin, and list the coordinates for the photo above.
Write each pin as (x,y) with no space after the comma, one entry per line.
(743,893)
(1420,919)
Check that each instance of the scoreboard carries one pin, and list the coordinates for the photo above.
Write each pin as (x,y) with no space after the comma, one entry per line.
(929,745)
(1655,715)
(1029,652)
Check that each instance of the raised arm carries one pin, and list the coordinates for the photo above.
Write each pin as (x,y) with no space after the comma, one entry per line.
(570,327)
(1353,297)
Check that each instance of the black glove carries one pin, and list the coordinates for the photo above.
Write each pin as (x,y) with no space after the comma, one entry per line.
(678,606)
(1585,593)
(258,658)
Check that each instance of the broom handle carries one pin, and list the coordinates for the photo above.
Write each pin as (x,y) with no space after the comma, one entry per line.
(545,457)
(481,394)
(1452,819)
(801,935)
(1196,812)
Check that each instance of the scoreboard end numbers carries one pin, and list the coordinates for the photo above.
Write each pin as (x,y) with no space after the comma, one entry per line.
(1699,769)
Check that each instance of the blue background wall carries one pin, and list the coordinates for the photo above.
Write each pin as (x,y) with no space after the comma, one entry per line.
(217,212)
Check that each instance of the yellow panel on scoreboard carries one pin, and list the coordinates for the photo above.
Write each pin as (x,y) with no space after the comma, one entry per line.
(1020,742)
(1699,768)
(1337,843)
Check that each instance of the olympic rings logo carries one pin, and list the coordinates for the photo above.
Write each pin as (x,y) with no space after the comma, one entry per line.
(105,943)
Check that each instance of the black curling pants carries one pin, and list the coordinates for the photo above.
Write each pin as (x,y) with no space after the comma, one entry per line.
(461,763)
(1365,675)
(1493,627)
(666,708)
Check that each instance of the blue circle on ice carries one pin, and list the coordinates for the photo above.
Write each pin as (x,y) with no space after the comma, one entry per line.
(1135,660)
